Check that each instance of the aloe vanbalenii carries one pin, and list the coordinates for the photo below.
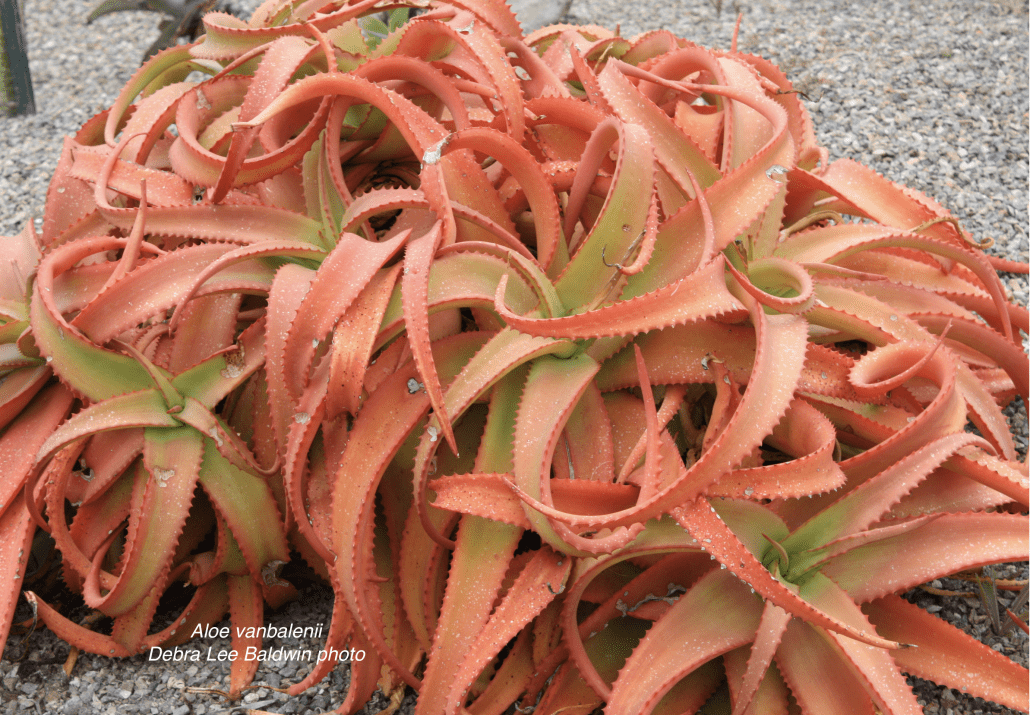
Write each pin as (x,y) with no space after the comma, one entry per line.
(561,357)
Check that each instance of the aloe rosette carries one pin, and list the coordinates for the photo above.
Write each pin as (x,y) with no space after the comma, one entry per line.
(557,356)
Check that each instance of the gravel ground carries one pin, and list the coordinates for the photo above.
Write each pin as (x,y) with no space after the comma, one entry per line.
(932,94)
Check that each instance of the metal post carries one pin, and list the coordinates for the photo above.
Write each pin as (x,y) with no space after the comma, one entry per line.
(14,65)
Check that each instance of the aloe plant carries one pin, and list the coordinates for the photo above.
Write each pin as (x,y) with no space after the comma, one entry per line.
(555,355)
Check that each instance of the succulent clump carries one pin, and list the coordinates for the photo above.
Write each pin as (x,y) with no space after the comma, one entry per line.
(568,360)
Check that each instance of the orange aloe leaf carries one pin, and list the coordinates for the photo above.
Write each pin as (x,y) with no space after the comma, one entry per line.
(747,128)
(376,201)
(419,130)
(68,202)
(683,354)
(145,408)
(67,347)
(819,679)
(947,655)
(912,300)
(341,277)
(652,458)
(727,401)
(503,353)
(916,268)
(252,268)
(353,338)
(751,177)
(17,528)
(307,419)
(482,552)
(949,543)
(972,462)
(610,249)
(865,504)
(808,436)
(418,257)
(648,45)
(23,438)
(541,78)
(228,37)
(108,454)
(838,242)
(1006,353)
(246,612)
(209,603)
(401,67)
(491,496)
(767,639)
(460,278)
(543,413)
(866,193)
(208,328)
(282,58)
(420,573)
(152,114)
(495,450)
(248,506)
(509,679)
(498,16)
(23,254)
(768,277)
(91,534)
(323,188)
(515,264)
(163,187)
(73,633)
(877,323)
(729,208)
(130,628)
(484,46)
(948,491)
(562,127)
(998,474)
(720,614)
(385,422)
(676,152)
(143,78)
(588,438)
(390,529)
(162,494)
(984,306)
(11,358)
(290,285)
(485,495)
(191,154)
(683,564)
(827,373)
(537,585)
(702,294)
(551,250)
(704,524)
(154,287)
(880,676)
(778,364)
(225,223)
